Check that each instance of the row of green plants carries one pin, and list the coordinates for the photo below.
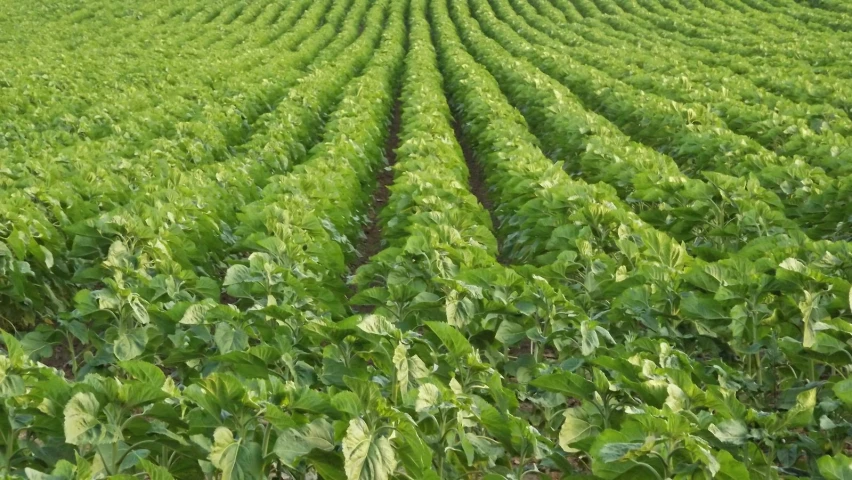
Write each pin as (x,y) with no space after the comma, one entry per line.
(817,133)
(80,101)
(643,442)
(591,323)
(652,183)
(56,225)
(832,6)
(692,135)
(794,42)
(797,83)
(177,384)
(812,17)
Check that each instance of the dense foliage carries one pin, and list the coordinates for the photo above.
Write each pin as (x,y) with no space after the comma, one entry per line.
(426,239)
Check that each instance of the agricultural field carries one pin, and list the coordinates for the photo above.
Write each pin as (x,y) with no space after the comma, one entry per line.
(426,239)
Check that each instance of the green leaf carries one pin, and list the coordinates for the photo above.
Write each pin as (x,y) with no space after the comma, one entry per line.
(573,430)
(35,345)
(730,431)
(293,444)
(36,475)
(455,342)
(704,308)
(400,363)
(237,274)
(48,257)
(838,467)
(566,383)
(228,339)
(413,452)
(510,333)
(459,311)
(130,345)
(208,287)
(377,325)
(843,390)
(144,371)
(82,426)
(155,472)
(194,314)
(613,452)
(589,339)
(237,459)
(802,414)
(366,455)
(138,393)
(428,396)
(11,385)
(139,310)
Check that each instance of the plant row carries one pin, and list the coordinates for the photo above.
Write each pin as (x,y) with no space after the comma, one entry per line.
(615,409)
(55,234)
(693,136)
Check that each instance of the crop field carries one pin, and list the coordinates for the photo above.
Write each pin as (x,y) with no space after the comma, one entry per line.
(425,239)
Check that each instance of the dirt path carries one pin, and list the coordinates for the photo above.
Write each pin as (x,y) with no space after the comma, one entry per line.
(371,243)
(477,183)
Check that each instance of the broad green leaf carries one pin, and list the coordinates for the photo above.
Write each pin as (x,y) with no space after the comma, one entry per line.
(237,274)
(367,455)
(237,459)
(843,390)
(428,396)
(613,452)
(135,394)
(589,339)
(82,426)
(730,468)
(144,371)
(407,368)
(228,339)
(140,311)
(36,475)
(802,414)
(573,430)
(293,444)
(510,333)
(413,452)
(838,467)
(347,402)
(35,345)
(194,314)
(704,308)
(809,307)
(566,383)
(11,385)
(794,265)
(155,472)
(459,310)
(130,345)
(730,431)
(400,363)
(377,325)
(48,257)
(452,339)
(676,399)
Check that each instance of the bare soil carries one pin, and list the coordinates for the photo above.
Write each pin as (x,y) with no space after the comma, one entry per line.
(371,243)
(476,180)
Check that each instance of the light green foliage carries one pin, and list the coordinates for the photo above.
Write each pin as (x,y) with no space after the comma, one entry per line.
(614,243)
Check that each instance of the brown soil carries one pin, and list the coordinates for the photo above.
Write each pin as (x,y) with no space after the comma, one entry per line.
(371,243)
(61,358)
(478,185)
